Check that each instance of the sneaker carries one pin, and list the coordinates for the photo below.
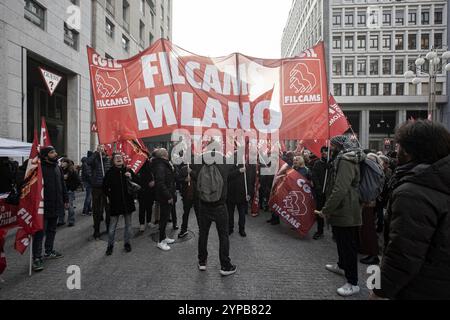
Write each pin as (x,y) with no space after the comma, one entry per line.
(228,271)
(242,233)
(53,255)
(84,213)
(38,265)
(335,269)
(202,266)
(168,241)
(127,247)
(109,250)
(151,225)
(255,215)
(370,260)
(60,224)
(348,290)
(182,234)
(163,246)
(317,236)
(142,228)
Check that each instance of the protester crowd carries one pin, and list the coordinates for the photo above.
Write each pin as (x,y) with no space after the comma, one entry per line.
(391,208)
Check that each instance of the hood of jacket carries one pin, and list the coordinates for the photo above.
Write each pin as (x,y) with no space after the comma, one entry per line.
(435,176)
(356,156)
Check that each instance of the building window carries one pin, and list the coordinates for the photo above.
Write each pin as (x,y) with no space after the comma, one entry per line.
(349,19)
(110,7)
(439,88)
(387,67)
(126,15)
(142,7)
(425,17)
(387,41)
(361,42)
(337,68)
(150,39)
(349,89)
(399,89)
(412,17)
(374,66)
(399,66)
(362,89)
(412,65)
(336,42)
(387,89)
(399,42)
(141,34)
(337,89)
(109,28)
(399,17)
(337,20)
(438,40)
(374,41)
(438,16)
(386,18)
(425,41)
(362,67)
(412,89)
(425,67)
(374,89)
(361,18)
(412,41)
(125,43)
(35,13)
(349,42)
(349,67)
(71,37)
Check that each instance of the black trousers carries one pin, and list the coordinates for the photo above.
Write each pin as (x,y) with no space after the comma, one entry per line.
(49,232)
(207,215)
(164,212)
(347,246)
(99,204)
(145,208)
(320,202)
(242,210)
(188,204)
(173,212)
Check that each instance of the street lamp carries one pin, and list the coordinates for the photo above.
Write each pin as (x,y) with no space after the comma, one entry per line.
(434,61)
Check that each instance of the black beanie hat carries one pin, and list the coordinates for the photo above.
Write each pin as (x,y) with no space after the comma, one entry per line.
(46,150)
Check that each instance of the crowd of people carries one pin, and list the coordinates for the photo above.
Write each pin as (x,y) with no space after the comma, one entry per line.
(409,200)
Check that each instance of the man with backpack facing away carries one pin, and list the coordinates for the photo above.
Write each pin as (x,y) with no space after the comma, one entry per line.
(343,210)
(212,182)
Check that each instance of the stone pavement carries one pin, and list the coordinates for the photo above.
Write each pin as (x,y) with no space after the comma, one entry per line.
(273,263)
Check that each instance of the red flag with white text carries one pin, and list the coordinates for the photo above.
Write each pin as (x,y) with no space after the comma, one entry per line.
(134,152)
(45,137)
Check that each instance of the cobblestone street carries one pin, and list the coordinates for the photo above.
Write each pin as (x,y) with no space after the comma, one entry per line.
(273,263)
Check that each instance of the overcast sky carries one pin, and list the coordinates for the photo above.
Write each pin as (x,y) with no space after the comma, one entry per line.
(220,27)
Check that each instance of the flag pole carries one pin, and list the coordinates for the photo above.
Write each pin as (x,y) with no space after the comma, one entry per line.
(245,176)
(31,256)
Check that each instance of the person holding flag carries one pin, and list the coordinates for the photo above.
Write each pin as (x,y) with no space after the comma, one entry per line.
(318,178)
(55,200)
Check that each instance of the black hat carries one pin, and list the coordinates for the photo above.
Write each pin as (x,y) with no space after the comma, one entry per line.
(46,150)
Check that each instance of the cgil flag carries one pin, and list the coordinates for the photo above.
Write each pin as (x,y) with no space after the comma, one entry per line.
(45,137)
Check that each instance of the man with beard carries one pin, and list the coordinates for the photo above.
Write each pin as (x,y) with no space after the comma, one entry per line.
(55,200)
(416,258)
(343,210)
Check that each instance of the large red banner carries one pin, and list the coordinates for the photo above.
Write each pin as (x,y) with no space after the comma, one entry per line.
(134,152)
(165,88)
(292,199)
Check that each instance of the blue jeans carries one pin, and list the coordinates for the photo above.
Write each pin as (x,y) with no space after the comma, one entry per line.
(88,199)
(71,210)
(113,227)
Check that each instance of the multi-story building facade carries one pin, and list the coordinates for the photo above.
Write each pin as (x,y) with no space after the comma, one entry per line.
(370,45)
(53,35)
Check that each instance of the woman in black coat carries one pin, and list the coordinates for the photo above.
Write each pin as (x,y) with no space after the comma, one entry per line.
(121,202)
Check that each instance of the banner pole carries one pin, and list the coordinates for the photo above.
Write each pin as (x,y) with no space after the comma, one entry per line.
(245,176)
(31,256)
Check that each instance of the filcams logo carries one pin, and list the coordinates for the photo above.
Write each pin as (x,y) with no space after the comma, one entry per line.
(110,83)
(301,79)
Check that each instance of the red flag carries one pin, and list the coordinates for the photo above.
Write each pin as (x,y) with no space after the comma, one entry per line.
(134,153)
(30,214)
(255,201)
(293,201)
(45,137)
(2,253)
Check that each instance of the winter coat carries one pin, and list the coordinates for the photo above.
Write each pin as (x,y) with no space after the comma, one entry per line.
(115,188)
(73,180)
(85,171)
(145,176)
(305,172)
(236,183)
(342,192)
(416,260)
(188,190)
(95,164)
(318,173)
(164,174)
(6,176)
(55,192)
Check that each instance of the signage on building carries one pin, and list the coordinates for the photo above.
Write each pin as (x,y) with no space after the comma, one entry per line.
(94,128)
(51,80)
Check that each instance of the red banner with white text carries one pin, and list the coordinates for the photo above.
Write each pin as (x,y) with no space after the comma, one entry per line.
(165,88)
(134,152)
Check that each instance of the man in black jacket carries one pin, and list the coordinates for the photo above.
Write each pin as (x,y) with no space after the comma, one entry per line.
(318,177)
(146,195)
(187,180)
(55,201)
(99,164)
(165,193)
(416,258)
